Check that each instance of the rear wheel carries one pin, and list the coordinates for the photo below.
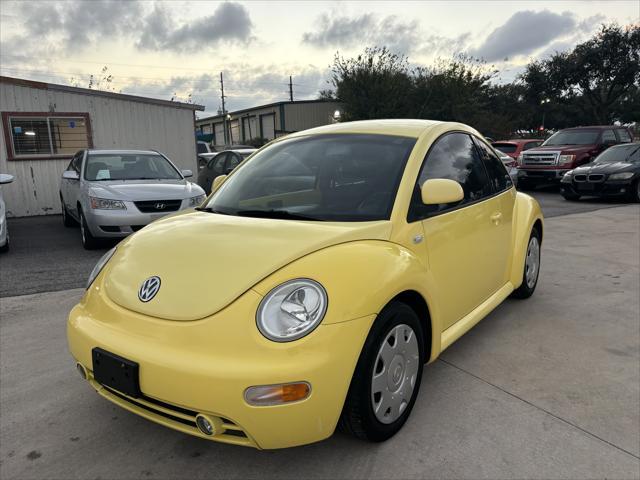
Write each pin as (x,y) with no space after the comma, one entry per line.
(5,248)
(531,267)
(387,377)
(635,191)
(89,242)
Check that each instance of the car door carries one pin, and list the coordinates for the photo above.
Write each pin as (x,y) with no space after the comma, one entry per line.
(501,204)
(75,185)
(462,253)
(68,186)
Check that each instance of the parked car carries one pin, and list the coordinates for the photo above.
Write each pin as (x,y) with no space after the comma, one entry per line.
(515,147)
(319,306)
(113,193)
(566,150)
(615,172)
(221,164)
(4,230)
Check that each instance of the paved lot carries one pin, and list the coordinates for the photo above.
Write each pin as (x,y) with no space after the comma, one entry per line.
(45,256)
(543,388)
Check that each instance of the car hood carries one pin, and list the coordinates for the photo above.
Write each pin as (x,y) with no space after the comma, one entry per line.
(607,168)
(205,261)
(136,190)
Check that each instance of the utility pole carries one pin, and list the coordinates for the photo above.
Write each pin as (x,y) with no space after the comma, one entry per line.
(290,89)
(224,110)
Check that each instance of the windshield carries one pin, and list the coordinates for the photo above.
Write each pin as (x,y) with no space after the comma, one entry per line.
(621,153)
(573,137)
(348,177)
(505,147)
(129,166)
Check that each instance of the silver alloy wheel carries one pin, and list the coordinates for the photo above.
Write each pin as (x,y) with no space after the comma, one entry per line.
(532,264)
(395,373)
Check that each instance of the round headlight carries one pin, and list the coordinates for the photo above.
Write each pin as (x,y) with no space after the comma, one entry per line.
(100,265)
(292,310)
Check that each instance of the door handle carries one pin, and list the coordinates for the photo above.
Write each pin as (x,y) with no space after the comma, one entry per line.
(496,217)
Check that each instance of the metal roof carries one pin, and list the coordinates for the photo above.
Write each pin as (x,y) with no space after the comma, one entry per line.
(99,93)
(260,107)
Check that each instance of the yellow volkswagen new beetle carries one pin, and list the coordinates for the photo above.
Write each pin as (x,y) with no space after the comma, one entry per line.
(312,286)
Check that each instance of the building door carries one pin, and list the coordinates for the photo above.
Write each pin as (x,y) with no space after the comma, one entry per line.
(268,124)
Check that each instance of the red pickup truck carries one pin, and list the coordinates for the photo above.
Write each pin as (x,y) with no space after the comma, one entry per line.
(565,150)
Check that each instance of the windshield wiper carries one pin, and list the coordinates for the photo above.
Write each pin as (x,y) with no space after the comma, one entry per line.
(283,214)
(211,210)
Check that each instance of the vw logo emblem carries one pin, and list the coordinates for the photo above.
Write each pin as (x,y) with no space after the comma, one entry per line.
(148,289)
(159,206)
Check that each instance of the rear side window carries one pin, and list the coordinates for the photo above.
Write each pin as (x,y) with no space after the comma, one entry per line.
(202,148)
(505,147)
(624,136)
(529,145)
(453,156)
(608,137)
(498,175)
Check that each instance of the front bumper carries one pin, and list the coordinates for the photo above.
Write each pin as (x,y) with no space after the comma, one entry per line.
(598,189)
(120,223)
(541,175)
(205,366)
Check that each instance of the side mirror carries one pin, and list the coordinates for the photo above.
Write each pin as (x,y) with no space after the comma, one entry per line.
(187,173)
(441,190)
(5,178)
(219,180)
(71,175)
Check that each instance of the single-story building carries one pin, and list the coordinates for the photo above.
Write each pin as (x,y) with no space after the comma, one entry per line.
(267,121)
(44,124)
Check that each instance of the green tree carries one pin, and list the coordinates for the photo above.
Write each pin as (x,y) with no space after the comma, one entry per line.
(375,84)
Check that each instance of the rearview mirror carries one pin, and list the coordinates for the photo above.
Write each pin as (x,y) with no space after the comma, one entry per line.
(441,190)
(219,180)
(187,173)
(6,178)
(71,175)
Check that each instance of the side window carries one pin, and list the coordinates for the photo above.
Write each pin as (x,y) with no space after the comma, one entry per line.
(624,135)
(232,162)
(498,175)
(218,163)
(609,138)
(76,163)
(529,145)
(453,156)
(202,148)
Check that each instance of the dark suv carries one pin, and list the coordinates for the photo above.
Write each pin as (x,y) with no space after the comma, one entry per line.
(566,150)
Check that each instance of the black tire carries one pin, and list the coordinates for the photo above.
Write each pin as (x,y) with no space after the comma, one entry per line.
(67,220)
(358,417)
(525,290)
(572,197)
(634,194)
(5,247)
(89,242)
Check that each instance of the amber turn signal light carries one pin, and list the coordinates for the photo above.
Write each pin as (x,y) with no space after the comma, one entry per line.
(265,395)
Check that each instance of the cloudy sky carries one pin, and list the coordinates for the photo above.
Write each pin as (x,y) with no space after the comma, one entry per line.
(173,49)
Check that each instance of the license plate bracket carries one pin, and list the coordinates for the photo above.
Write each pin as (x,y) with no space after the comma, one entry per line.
(116,372)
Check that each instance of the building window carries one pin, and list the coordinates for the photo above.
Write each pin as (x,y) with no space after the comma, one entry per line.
(35,135)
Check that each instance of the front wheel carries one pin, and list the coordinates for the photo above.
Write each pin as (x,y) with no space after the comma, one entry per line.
(573,197)
(635,192)
(531,267)
(89,242)
(387,377)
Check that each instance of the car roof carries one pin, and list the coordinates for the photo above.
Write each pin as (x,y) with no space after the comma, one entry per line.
(399,127)
(240,150)
(121,152)
(596,127)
